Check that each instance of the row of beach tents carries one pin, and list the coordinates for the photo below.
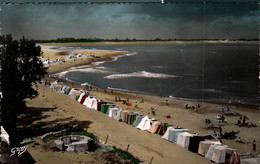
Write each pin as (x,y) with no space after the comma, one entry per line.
(205,145)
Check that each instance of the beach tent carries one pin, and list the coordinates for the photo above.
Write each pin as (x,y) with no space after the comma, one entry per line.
(131,117)
(68,91)
(104,108)
(204,147)
(124,115)
(195,140)
(94,104)
(219,154)
(138,120)
(99,103)
(53,85)
(4,136)
(85,103)
(172,134)
(89,102)
(83,98)
(161,129)
(71,92)
(77,97)
(58,88)
(76,94)
(118,117)
(145,124)
(80,97)
(233,158)
(183,139)
(65,89)
(210,151)
(111,107)
(154,126)
(113,111)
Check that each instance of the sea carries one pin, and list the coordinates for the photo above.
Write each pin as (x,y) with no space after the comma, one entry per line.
(200,71)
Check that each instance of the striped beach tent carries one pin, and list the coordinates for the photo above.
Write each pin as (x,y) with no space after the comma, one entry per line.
(68,91)
(161,129)
(124,115)
(99,104)
(83,98)
(154,126)
(80,97)
(234,158)
(131,117)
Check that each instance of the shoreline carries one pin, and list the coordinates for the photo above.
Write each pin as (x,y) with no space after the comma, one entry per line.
(57,107)
(143,42)
(123,53)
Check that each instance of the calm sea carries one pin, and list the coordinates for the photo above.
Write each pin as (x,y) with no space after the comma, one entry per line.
(210,71)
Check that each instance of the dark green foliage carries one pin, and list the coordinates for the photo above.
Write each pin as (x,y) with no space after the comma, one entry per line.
(125,155)
(21,68)
(84,133)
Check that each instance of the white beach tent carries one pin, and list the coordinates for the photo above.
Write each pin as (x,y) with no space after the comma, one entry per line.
(90,102)
(219,154)
(167,133)
(86,102)
(145,124)
(172,134)
(113,111)
(4,136)
(94,104)
(183,139)
(53,85)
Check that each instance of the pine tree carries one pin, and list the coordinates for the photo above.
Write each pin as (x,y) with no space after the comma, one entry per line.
(21,68)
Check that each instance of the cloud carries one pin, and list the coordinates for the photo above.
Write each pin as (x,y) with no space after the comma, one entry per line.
(143,21)
(116,16)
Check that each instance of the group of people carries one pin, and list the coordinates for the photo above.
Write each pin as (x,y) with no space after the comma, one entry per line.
(196,107)
(223,108)
(242,122)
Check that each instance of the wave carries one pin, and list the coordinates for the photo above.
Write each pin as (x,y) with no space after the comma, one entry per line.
(115,58)
(211,90)
(142,74)
(235,82)
(158,66)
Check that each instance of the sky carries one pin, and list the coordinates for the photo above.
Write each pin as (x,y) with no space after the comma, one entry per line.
(133,21)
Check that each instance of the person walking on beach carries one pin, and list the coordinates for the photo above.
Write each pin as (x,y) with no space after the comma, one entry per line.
(254,145)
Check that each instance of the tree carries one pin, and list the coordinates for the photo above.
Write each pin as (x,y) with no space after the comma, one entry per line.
(21,68)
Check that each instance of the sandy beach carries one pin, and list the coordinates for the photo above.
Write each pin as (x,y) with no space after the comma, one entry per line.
(59,108)
(61,55)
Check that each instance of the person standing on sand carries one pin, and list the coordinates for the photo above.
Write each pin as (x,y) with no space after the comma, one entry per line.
(254,145)
(220,131)
(222,108)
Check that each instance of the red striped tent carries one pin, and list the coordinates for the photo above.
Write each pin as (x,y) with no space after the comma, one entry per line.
(234,158)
